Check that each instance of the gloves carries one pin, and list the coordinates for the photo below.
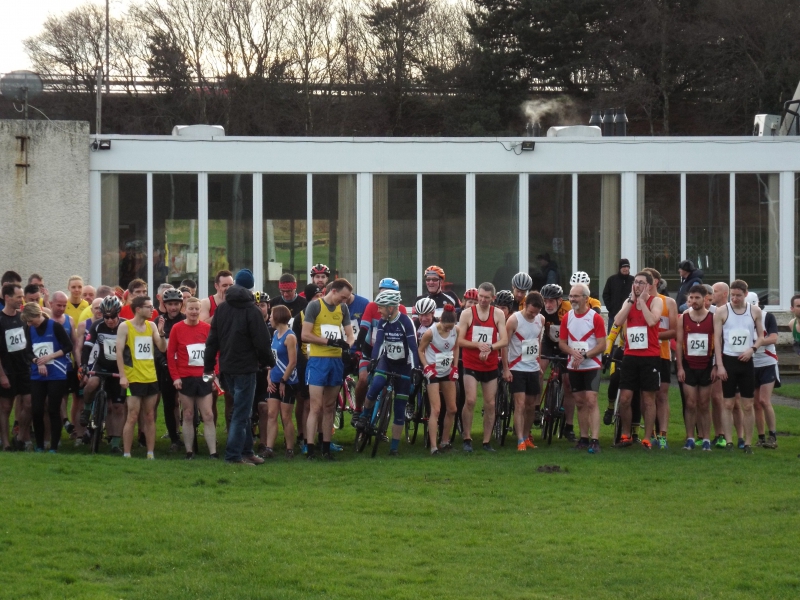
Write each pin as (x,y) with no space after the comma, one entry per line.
(453,373)
(416,377)
(357,355)
(82,371)
(429,372)
(339,343)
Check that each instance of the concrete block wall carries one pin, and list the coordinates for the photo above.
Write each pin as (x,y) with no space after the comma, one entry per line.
(44,223)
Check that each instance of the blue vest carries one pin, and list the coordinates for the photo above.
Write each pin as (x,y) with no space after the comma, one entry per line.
(44,344)
(281,359)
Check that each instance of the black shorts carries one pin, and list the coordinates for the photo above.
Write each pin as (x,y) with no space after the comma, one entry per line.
(698,377)
(640,373)
(585,381)
(666,369)
(741,377)
(526,382)
(444,379)
(301,389)
(143,390)
(19,385)
(195,387)
(481,376)
(73,383)
(114,393)
(766,375)
(287,399)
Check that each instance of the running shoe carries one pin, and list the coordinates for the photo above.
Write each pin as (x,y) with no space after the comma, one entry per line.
(570,435)
(304,448)
(581,445)
(624,442)
(467,446)
(729,446)
(175,447)
(529,443)
(488,448)
(289,453)
(328,456)
(394,453)
(446,447)
(608,416)
(39,450)
(740,444)
(747,449)
(689,445)
(69,427)
(594,448)
(721,443)
(646,444)
(654,443)
(522,447)
(662,442)
(770,443)
(435,452)
(336,447)
(190,456)
(537,418)
(706,446)
(760,443)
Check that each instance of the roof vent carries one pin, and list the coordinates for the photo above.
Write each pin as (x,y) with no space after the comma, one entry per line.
(198,132)
(575,131)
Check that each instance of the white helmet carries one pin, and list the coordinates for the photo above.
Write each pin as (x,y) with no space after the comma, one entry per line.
(424,306)
(580,277)
(388,298)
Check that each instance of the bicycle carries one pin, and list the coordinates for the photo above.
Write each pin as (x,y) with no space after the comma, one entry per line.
(552,400)
(99,412)
(418,411)
(345,402)
(503,410)
(375,430)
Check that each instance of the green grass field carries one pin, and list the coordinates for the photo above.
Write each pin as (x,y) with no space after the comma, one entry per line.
(624,524)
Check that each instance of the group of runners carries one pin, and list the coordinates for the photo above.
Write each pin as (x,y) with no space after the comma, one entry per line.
(147,351)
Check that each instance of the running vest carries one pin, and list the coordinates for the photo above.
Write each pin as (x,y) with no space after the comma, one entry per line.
(68,327)
(484,332)
(641,339)
(281,354)
(581,336)
(439,352)
(523,346)
(698,341)
(138,358)
(212,306)
(74,312)
(663,325)
(44,344)
(765,355)
(328,325)
(737,331)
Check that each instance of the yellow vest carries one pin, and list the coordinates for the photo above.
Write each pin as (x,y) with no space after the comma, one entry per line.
(328,325)
(75,313)
(139,364)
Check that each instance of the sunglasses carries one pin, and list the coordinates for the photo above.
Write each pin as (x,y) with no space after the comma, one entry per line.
(109,317)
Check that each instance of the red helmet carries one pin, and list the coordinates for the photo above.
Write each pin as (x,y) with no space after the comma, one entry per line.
(471,294)
(320,269)
(434,270)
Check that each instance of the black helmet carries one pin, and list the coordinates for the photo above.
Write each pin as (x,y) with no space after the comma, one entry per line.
(110,305)
(172,295)
(522,281)
(552,291)
(261,297)
(505,298)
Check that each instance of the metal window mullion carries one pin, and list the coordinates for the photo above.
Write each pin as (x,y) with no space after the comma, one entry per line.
(258,231)
(364,238)
(787,238)
(95,228)
(732,227)
(524,214)
(683,217)
(309,226)
(419,234)
(574,222)
(202,234)
(150,235)
(471,251)
(629,220)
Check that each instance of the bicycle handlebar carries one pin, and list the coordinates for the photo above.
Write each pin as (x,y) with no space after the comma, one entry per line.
(563,359)
(103,374)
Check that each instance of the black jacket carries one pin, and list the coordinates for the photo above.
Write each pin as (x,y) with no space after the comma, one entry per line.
(694,277)
(239,334)
(618,288)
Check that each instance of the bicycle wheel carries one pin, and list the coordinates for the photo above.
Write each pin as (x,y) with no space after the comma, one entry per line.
(413,417)
(362,439)
(98,419)
(338,418)
(552,410)
(508,414)
(500,410)
(384,412)
(350,396)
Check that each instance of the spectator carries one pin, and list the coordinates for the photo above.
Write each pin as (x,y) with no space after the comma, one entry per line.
(690,275)
(549,269)
(617,289)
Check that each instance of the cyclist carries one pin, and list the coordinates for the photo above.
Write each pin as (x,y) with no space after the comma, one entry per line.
(88,313)
(172,300)
(434,279)
(482,331)
(208,306)
(641,363)
(582,277)
(470,298)
(323,325)
(100,352)
(424,317)
(185,355)
(765,362)
(50,345)
(15,366)
(583,339)
(320,274)
(504,300)
(521,365)
(438,353)
(287,286)
(521,285)
(395,351)
(137,338)
(695,353)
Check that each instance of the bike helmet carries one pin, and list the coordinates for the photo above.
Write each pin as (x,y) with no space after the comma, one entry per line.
(320,269)
(505,298)
(471,294)
(261,297)
(172,295)
(110,305)
(522,281)
(434,270)
(580,277)
(424,306)
(387,283)
(388,298)
(552,291)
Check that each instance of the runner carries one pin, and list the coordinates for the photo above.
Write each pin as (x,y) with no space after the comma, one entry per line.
(438,353)
(470,298)
(765,363)
(504,300)
(282,381)
(32,294)
(185,359)
(424,316)
(302,404)
(525,329)
(58,305)
(322,330)
(521,284)
(695,351)
(15,367)
(434,279)
(583,339)
(720,292)
(582,277)
(734,346)
(482,331)
(641,364)
(192,285)
(76,303)
(208,306)
(136,339)
(88,293)
(38,280)
(102,292)
(395,351)
(172,301)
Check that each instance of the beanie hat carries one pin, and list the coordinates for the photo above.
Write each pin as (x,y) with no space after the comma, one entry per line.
(624,262)
(245,279)
(312,289)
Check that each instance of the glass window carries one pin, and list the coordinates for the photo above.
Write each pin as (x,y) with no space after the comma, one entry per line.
(285,241)
(707,225)
(598,228)
(394,234)
(796,232)
(497,229)
(124,231)
(659,210)
(444,227)
(175,228)
(230,223)
(335,236)
(550,229)
(757,234)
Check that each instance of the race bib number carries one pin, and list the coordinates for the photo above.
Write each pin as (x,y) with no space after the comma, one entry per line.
(444,362)
(438,312)
(110,348)
(15,339)
(43,349)
(555,333)
(197,354)
(395,351)
(290,323)
(584,346)
(355,329)
(143,348)
(530,351)
(738,340)
(331,332)
(663,323)
(697,344)
(482,335)
(637,338)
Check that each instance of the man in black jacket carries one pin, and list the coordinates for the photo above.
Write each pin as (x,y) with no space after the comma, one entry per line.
(689,276)
(240,335)
(618,288)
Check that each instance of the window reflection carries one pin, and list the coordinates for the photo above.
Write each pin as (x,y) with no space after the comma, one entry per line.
(659,210)
(285,242)
(123,215)
(230,223)
(497,229)
(394,234)
(757,234)
(334,227)
(707,225)
(175,228)
(444,238)
(550,229)
(598,228)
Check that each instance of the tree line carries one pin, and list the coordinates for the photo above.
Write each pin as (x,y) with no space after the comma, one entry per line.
(422,67)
